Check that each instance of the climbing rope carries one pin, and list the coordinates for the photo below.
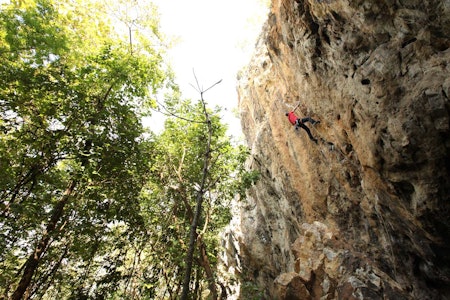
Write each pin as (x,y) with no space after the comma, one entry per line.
(333,148)
(388,238)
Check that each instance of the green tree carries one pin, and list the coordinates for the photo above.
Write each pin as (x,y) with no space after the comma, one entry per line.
(196,173)
(92,206)
(73,159)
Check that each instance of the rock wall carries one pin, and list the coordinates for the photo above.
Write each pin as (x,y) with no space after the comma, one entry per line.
(364,213)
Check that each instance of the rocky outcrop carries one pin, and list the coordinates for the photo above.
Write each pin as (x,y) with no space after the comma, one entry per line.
(364,213)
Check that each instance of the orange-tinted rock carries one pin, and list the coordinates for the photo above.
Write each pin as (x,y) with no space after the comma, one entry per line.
(363,214)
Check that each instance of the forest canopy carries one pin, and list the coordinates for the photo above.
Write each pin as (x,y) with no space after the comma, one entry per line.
(92,204)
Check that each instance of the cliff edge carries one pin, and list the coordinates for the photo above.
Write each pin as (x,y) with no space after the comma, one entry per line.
(364,213)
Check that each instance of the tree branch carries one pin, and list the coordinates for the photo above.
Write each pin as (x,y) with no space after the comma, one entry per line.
(171,114)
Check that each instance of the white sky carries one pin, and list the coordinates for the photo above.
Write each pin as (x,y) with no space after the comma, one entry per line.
(215,39)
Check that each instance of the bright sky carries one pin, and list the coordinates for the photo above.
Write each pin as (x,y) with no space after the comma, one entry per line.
(215,39)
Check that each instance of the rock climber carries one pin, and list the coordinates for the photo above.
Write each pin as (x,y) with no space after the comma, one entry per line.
(297,122)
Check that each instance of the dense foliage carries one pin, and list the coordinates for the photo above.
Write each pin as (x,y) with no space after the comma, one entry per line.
(91,206)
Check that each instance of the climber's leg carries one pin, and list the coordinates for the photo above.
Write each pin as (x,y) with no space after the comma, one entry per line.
(308,132)
(309,119)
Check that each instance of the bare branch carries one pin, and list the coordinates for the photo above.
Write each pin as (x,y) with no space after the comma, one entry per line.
(171,114)
(196,80)
(212,86)
(201,91)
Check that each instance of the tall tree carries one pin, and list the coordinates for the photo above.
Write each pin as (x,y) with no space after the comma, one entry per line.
(181,187)
(72,152)
(199,197)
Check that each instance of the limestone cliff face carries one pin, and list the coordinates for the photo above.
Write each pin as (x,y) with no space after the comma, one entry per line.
(364,213)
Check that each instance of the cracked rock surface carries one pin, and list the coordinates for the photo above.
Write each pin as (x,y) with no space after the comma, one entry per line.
(364,213)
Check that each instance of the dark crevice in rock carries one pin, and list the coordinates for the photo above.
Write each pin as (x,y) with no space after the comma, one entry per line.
(406,43)
(405,190)
(325,37)
(365,81)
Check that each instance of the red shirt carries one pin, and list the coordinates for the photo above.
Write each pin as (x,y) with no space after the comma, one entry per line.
(292,117)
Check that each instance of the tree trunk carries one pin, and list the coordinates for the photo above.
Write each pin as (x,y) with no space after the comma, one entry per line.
(49,277)
(33,261)
(207,266)
(198,207)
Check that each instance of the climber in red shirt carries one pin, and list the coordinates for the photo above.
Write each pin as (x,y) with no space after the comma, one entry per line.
(297,122)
